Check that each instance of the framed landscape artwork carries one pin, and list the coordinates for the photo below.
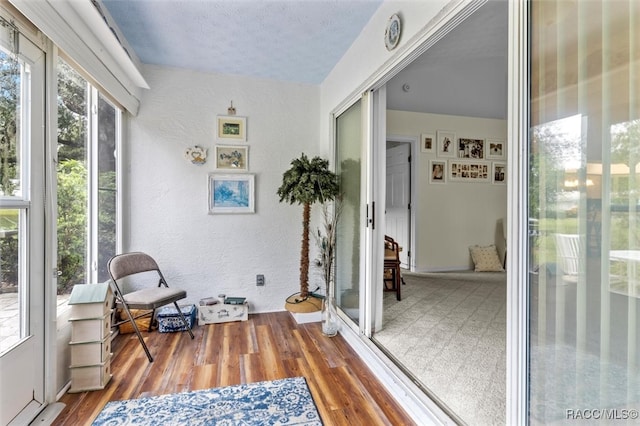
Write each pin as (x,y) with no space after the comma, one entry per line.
(231,128)
(231,193)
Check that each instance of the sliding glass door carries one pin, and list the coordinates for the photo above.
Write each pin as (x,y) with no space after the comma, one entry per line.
(584,209)
(348,127)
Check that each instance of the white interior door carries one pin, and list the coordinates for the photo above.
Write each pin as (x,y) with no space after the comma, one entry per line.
(398,198)
(22,223)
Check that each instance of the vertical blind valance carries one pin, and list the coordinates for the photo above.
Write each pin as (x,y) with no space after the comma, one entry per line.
(80,30)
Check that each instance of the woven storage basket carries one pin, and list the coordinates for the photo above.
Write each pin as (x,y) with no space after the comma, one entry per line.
(127,327)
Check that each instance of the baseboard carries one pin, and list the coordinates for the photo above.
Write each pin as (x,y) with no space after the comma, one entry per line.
(444,269)
(306,317)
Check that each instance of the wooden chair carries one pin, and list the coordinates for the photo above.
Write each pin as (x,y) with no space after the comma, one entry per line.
(148,298)
(392,276)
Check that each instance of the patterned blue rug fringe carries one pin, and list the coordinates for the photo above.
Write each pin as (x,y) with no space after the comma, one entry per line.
(278,402)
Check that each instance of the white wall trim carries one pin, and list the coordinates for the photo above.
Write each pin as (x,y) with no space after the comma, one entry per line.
(122,54)
(78,36)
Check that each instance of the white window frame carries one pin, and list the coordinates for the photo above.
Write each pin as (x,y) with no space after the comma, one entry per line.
(92,158)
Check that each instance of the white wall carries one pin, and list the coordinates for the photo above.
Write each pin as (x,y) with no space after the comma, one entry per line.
(368,54)
(452,216)
(166,196)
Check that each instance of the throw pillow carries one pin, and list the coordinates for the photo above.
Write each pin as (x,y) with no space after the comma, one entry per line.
(485,258)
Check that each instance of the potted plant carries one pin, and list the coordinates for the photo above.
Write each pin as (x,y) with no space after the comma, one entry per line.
(307,182)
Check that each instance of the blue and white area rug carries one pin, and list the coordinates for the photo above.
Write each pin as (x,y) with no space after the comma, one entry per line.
(278,402)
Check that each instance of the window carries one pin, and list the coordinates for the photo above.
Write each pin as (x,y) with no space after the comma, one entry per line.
(15,201)
(88,138)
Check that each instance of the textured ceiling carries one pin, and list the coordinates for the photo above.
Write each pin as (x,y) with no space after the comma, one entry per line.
(288,40)
(465,73)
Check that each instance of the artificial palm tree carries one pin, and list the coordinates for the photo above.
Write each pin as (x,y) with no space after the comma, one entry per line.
(307,182)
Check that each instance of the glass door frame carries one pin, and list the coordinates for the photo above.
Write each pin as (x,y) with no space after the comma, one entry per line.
(518,78)
(368,209)
(517,221)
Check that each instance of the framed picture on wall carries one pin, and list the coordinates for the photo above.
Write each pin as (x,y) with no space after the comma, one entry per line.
(446,143)
(232,157)
(428,142)
(231,193)
(469,171)
(496,149)
(438,171)
(471,148)
(231,128)
(499,173)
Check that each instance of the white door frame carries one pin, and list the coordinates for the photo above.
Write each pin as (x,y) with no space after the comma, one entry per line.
(23,367)
(413,142)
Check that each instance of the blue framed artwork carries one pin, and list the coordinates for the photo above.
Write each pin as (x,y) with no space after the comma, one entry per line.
(234,193)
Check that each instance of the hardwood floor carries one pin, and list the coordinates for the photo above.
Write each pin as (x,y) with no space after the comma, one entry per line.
(266,347)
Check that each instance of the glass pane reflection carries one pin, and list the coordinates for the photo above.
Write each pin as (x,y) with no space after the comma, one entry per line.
(583,196)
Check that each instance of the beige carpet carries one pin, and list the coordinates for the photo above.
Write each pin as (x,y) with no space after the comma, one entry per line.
(449,331)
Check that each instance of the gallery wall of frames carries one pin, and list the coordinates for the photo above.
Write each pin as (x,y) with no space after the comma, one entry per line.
(465,158)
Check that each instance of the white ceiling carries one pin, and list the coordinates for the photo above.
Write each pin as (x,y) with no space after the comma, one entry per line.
(288,40)
(300,41)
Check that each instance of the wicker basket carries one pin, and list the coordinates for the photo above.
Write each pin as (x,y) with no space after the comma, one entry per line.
(127,327)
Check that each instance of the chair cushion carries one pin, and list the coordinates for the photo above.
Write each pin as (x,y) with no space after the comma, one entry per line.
(151,298)
(390,255)
(485,258)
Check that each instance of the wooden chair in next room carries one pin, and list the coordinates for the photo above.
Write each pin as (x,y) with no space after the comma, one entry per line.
(392,275)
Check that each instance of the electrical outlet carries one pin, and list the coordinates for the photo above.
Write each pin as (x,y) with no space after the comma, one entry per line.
(259,280)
